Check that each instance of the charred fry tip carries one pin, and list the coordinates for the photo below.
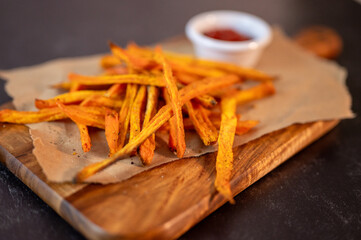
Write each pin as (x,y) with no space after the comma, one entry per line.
(111,44)
(92,169)
(81,177)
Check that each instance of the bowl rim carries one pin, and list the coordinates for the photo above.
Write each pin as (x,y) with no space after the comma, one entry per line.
(199,38)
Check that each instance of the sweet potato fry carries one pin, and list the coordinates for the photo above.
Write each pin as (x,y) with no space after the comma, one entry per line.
(24,117)
(197,70)
(69,85)
(164,114)
(243,126)
(116,90)
(246,125)
(114,79)
(124,114)
(191,64)
(143,52)
(206,131)
(112,130)
(136,112)
(117,70)
(260,91)
(161,117)
(76,87)
(224,162)
(109,61)
(102,101)
(146,149)
(172,139)
(138,63)
(84,137)
(175,102)
(228,68)
(186,78)
(67,98)
(78,115)
(207,101)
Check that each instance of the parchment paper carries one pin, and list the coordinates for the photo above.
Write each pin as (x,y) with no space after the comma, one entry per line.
(308,89)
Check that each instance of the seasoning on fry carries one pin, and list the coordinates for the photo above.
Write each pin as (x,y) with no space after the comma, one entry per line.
(206,131)
(84,137)
(176,104)
(146,149)
(136,112)
(224,162)
(112,130)
(67,98)
(124,114)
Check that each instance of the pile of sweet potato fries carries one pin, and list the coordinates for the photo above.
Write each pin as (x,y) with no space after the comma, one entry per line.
(146,90)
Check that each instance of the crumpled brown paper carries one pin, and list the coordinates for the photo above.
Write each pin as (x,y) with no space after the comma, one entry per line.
(308,89)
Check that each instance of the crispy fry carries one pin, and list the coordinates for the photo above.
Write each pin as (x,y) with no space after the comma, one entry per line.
(69,85)
(197,70)
(191,65)
(80,116)
(112,130)
(114,79)
(243,126)
(260,91)
(138,63)
(124,114)
(115,90)
(224,162)
(24,117)
(109,61)
(175,102)
(76,87)
(205,129)
(117,70)
(143,52)
(67,98)
(164,114)
(84,137)
(186,78)
(136,112)
(146,149)
(207,101)
(102,101)
(226,67)
(172,139)
(246,125)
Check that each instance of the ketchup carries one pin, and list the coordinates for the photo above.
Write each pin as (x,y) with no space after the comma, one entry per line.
(226,35)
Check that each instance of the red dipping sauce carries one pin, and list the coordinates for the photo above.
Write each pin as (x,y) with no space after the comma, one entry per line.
(226,35)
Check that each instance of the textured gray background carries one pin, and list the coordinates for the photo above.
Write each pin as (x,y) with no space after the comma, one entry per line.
(314,195)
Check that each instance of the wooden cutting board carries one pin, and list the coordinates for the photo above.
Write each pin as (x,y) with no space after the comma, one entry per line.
(161,203)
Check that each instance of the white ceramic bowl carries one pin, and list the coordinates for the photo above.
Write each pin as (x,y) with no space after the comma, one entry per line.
(244,53)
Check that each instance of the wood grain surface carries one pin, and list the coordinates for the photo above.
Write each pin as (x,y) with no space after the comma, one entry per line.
(161,203)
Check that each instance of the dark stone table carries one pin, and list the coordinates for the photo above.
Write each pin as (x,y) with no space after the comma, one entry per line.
(314,195)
